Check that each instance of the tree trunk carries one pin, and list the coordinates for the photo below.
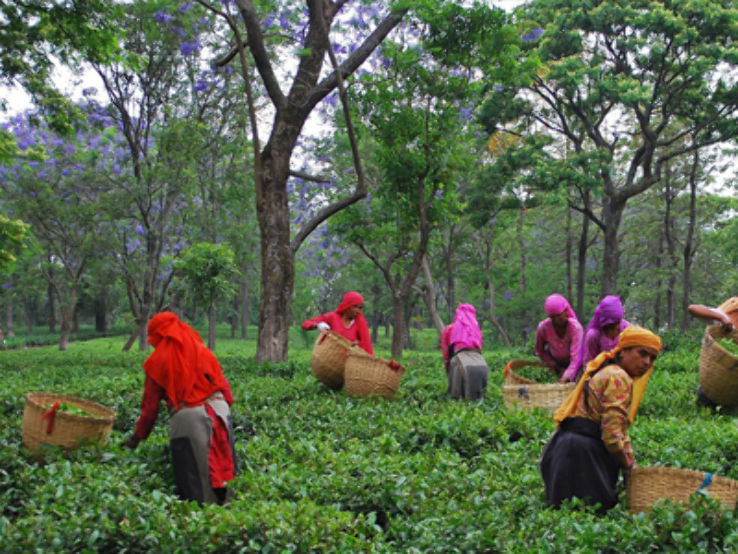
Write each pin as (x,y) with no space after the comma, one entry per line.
(430,297)
(245,310)
(582,257)
(569,248)
(101,314)
(9,330)
(28,314)
(277,260)
(212,321)
(52,308)
(659,281)
(689,247)
(398,334)
(612,213)
(67,311)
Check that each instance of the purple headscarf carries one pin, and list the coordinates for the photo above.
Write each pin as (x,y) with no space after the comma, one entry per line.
(465,332)
(555,304)
(609,310)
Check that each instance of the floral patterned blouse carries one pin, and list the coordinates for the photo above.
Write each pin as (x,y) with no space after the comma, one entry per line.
(607,404)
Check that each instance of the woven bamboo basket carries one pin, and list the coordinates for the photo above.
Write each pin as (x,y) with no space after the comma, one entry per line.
(329,358)
(366,375)
(66,430)
(647,485)
(528,394)
(719,368)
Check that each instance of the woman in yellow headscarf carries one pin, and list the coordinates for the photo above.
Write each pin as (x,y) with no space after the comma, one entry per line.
(591,444)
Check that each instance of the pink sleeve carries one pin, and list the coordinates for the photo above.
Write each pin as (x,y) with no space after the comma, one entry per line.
(541,339)
(312,323)
(576,343)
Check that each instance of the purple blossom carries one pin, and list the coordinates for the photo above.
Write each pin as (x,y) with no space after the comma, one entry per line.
(466,113)
(284,22)
(140,230)
(508,295)
(201,85)
(188,47)
(185,7)
(163,17)
(532,35)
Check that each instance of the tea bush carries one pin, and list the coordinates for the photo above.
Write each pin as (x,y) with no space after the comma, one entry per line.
(322,471)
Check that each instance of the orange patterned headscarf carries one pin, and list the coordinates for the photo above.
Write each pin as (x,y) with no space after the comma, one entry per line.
(630,337)
(180,363)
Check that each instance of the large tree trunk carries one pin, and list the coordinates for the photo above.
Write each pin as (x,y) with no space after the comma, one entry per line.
(612,213)
(245,310)
(101,314)
(52,308)
(67,311)
(398,317)
(277,260)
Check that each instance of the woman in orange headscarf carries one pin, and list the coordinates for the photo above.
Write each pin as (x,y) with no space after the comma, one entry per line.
(591,444)
(184,373)
(347,320)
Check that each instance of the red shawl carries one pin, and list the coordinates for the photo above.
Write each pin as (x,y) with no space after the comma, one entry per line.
(181,364)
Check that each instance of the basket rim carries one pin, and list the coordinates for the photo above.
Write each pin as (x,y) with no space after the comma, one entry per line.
(106,414)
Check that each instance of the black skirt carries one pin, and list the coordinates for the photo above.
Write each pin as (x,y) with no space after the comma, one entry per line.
(576,464)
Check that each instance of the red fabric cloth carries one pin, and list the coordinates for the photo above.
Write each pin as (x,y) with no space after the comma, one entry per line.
(445,344)
(358,332)
(181,364)
(220,457)
(350,299)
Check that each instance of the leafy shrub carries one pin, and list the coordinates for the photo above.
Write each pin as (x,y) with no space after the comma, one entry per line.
(322,471)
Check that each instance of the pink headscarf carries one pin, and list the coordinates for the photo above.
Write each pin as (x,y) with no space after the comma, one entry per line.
(555,304)
(465,332)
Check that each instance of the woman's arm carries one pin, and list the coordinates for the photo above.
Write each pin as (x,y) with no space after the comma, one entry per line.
(711,314)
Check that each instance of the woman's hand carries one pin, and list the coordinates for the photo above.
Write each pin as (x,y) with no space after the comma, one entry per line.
(323,326)
(132,441)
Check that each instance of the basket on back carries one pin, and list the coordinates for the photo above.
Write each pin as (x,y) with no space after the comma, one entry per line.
(718,367)
(647,485)
(366,375)
(528,394)
(329,358)
(44,424)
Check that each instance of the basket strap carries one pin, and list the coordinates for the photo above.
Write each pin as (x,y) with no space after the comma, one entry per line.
(51,415)
(507,368)
(705,483)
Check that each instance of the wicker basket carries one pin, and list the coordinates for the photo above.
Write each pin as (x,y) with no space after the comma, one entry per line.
(528,394)
(718,368)
(367,375)
(329,358)
(64,429)
(512,378)
(647,485)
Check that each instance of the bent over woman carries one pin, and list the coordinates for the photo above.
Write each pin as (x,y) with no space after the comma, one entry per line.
(186,374)
(591,444)
(461,345)
(347,320)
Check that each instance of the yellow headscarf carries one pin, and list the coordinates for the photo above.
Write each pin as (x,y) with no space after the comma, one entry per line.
(631,336)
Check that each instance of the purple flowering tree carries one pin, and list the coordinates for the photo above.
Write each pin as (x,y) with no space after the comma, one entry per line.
(62,197)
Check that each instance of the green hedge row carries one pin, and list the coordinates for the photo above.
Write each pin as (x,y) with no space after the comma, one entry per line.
(321,471)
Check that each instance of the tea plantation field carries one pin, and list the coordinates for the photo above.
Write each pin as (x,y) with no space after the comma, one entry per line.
(321,471)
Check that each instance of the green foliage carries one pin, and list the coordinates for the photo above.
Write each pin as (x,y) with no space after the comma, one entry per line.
(321,471)
(12,234)
(210,271)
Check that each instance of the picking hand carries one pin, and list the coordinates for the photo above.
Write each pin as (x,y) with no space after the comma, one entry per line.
(323,326)
(132,441)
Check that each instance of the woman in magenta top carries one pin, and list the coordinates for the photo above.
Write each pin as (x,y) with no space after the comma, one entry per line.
(602,332)
(347,320)
(559,337)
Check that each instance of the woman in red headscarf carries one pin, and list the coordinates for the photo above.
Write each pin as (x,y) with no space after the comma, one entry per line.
(186,374)
(347,320)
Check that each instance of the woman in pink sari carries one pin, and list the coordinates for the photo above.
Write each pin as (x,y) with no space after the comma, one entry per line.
(559,337)
(461,345)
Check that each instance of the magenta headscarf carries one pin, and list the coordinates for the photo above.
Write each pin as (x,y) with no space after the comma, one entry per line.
(465,332)
(609,310)
(555,304)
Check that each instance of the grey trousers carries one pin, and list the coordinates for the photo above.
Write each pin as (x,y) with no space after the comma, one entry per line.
(190,433)
(467,375)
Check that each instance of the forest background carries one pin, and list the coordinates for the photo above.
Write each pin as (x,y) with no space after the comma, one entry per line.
(250,162)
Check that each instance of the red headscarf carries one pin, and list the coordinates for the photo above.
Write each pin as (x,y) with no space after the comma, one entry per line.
(351,299)
(180,363)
